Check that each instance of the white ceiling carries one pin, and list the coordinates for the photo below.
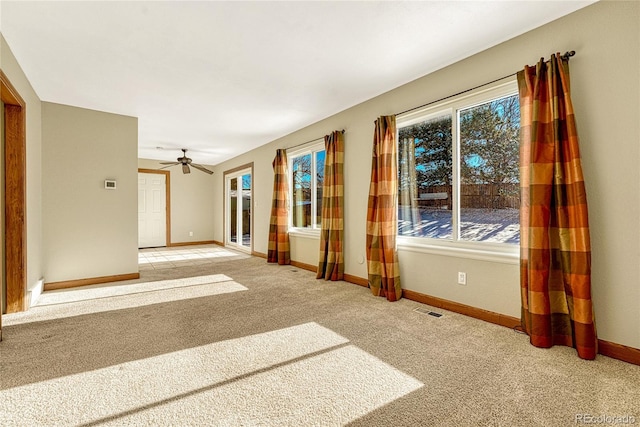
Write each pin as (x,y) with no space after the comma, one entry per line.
(221,78)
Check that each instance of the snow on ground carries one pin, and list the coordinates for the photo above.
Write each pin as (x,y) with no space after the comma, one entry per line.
(486,225)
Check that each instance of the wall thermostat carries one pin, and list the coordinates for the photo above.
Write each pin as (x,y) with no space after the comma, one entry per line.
(110,184)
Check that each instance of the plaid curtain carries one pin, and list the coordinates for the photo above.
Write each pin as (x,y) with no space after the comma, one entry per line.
(278,234)
(331,264)
(555,260)
(382,227)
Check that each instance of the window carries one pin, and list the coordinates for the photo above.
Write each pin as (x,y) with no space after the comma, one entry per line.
(458,169)
(306,182)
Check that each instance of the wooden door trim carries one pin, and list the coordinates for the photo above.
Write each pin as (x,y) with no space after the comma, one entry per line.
(9,93)
(15,196)
(167,185)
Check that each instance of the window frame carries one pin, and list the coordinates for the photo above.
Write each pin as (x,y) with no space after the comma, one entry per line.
(487,251)
(311,148)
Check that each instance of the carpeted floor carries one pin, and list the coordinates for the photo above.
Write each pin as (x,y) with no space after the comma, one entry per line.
(238,342)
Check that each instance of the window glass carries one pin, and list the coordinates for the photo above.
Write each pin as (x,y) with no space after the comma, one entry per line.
(458,169)
(425,178)
(489,171)
(306,185)
(301,188)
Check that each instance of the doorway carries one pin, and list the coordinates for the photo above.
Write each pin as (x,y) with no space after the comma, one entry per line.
(239,208)
(154,221)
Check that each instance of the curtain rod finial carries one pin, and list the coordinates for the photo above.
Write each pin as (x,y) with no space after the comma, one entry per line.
(568,54)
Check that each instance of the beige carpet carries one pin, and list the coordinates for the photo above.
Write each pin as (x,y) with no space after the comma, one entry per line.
(238,342)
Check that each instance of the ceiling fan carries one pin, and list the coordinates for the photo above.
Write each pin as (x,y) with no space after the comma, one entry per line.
(185,162)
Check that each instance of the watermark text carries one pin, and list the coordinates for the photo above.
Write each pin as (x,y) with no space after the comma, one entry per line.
(589,419)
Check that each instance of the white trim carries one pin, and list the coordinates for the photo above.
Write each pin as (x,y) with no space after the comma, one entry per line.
(485,251)
(237,175)
(314,189)
(306,148)
(464,101)
(310,148)
(455,175)
(33,294)
(423,115)
(309,233)
(502,253)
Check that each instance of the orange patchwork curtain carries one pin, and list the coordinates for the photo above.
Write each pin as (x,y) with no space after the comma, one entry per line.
(555,259)
(278,233)
(382,227)
(331,264)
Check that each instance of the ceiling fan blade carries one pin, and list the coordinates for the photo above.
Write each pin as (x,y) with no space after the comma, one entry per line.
(185,168)
(170,163)
(202,168)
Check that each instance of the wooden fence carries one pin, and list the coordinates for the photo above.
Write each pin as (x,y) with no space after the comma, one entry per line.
(475,196)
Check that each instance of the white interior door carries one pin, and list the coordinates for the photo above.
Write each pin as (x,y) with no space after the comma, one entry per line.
(239,208)
(152,213)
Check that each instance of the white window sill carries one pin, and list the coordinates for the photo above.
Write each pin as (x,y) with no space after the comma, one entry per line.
(309,233)
(502,253)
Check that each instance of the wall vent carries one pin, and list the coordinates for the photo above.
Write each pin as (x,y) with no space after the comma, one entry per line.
(423,310)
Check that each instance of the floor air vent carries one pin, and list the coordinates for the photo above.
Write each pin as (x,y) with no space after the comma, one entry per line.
(422,310)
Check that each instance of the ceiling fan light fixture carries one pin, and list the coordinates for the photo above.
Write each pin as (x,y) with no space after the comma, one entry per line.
(185,162)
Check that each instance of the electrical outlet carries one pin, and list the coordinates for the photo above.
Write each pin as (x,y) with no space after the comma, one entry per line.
(191,234)
(462,278)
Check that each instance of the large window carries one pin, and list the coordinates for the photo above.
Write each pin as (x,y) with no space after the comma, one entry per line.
(306,182)
(458,167)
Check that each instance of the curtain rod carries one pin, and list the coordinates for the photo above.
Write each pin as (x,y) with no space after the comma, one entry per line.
(311,140)
(566,56)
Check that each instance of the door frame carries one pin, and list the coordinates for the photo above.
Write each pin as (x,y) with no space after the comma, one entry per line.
(15,201)
(167,187)
(224,201)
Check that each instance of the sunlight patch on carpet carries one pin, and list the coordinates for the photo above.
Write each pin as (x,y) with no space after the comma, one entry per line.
(301,375)
(177,257)
(80,301)
(111,290)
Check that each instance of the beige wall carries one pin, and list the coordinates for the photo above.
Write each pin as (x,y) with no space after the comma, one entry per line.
(192,202)
(606,97)
(14,73)
(88,231)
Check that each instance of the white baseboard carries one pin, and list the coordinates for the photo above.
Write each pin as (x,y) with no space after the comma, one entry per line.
(34,293)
